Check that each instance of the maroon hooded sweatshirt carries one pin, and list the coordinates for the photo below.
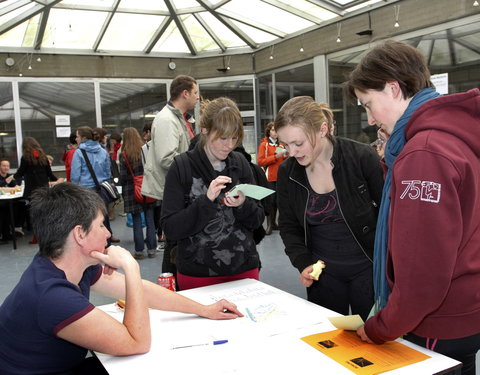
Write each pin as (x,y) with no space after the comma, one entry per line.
(433,264)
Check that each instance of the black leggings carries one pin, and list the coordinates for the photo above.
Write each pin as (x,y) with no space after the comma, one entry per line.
(463,349)
(338,292)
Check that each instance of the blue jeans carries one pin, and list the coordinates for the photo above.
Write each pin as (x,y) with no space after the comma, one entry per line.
(138,231)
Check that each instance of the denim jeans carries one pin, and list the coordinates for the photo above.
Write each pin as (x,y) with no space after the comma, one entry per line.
(151,239)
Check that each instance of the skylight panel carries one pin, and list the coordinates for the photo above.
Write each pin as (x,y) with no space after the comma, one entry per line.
(147,5)
(183,4)
(67,28)
(309,8)
(228,37)
(267,15)
(257,35)
(83,3)
(23,35)
(201,39)
(171,41)
(130,32)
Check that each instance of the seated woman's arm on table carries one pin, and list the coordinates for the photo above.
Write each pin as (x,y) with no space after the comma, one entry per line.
(98,331)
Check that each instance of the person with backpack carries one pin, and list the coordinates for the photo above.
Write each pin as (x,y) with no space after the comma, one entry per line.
(214,231)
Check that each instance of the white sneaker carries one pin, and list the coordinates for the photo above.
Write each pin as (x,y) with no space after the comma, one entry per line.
(19,231)
(161,246)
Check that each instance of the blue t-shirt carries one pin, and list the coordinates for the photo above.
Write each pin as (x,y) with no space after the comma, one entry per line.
(40,305)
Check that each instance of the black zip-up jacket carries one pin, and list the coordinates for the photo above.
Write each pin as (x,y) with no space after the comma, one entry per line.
(358,178)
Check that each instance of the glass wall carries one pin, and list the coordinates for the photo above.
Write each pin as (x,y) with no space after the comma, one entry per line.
(242,92)
(275,89)
(42,102)
(8,144)
(451,51)
(130,104)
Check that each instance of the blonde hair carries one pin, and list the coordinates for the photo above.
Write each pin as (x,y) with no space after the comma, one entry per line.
(305,113)
(222,118)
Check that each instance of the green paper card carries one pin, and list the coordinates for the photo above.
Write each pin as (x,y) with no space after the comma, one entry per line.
(252,191)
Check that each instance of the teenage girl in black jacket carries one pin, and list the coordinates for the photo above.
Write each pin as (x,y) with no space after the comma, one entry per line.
(328,196)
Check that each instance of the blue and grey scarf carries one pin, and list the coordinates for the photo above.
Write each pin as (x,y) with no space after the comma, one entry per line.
(394,146)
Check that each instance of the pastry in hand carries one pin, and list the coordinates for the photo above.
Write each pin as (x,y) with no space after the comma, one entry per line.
(317,270)
(121,303)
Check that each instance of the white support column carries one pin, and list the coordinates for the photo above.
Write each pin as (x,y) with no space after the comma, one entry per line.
(320,75)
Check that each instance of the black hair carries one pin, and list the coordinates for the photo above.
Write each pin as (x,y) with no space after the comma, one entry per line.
(57,210)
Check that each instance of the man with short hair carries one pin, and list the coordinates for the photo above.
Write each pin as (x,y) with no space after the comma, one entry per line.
(172,130)
(47,323)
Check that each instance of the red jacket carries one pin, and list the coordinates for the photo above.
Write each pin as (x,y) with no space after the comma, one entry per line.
(433,264)
(266,158)
(68,156)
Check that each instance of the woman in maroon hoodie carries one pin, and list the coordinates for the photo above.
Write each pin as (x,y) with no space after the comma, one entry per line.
(427,245)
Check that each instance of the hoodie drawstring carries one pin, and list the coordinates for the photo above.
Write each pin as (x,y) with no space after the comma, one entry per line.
(432,347)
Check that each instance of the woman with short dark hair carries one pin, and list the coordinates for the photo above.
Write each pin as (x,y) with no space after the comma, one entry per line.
(427,253)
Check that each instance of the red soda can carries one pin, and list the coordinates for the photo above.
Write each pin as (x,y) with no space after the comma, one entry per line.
(167,280)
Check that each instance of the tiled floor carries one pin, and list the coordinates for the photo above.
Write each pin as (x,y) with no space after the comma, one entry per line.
(276,268)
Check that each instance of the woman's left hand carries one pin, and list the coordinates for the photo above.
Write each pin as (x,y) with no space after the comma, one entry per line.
(222,309)
(234,201)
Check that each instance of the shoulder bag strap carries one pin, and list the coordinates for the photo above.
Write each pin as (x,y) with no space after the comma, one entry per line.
(89,166)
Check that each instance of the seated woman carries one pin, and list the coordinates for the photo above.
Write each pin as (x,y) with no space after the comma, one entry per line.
(47,323)
(214,231)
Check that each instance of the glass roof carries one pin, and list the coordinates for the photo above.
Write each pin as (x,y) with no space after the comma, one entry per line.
(161,27)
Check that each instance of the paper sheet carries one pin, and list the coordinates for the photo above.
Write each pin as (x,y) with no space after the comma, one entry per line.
(346,348)
(252,191)
(349,322)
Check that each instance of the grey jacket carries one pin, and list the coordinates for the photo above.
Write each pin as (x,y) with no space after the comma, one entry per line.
(169,138)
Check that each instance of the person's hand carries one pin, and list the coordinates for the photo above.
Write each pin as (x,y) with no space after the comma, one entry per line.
(216,187)
(363,335)
(305,278)
(234,201)
(114,257)
(222,309)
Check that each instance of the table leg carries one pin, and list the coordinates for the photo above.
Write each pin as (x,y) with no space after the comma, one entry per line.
(12,224)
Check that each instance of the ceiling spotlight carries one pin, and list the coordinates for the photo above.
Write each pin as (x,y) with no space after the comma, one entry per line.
(29,67)
(272,48)
(39,59)
(339,29)
(301,49)
(396,10)
(338,39)
(475,3)
(20,74)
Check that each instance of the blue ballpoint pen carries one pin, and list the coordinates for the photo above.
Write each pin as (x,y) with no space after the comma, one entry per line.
(215,342)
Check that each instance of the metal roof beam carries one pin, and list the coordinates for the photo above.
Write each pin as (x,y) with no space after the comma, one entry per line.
(210,32)
(293,10)
(14,6)
(41,29)
(181,27)
(158,34)
(105,25)
(328,6)
(256,25)
(243,36)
